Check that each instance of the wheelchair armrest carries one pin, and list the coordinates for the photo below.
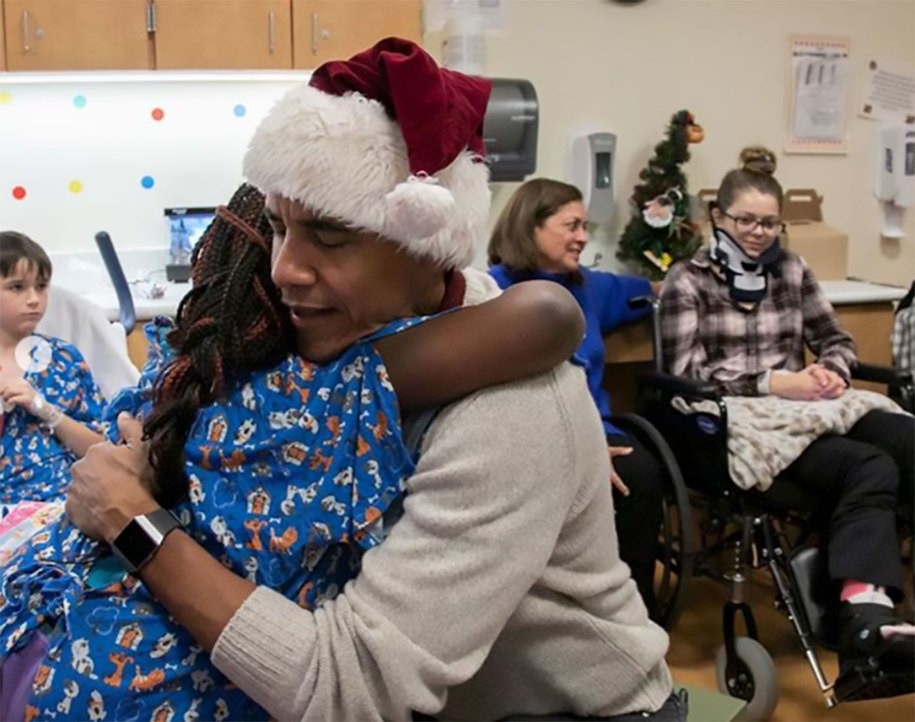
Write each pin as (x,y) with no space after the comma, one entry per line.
(679,385)
(881,374)
(642,301)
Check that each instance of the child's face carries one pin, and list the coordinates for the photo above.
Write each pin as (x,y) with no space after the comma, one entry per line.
(23,300)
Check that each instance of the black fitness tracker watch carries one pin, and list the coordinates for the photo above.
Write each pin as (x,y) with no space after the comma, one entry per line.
(138,543)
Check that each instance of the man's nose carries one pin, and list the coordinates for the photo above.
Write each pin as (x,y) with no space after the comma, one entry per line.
(291,264)
(33,297)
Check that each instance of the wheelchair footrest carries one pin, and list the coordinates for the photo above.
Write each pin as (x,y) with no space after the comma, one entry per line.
(866,680)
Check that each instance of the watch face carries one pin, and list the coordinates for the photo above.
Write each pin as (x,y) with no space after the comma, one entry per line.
(143,536)
(134,545)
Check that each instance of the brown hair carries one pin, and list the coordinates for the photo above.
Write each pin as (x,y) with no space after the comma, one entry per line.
(756,172)
(231,323)
(16,247)
(512,241)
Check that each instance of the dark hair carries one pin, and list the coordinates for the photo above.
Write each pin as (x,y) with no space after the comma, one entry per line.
(757,166)
(16,247)
(512,241)
(231,323)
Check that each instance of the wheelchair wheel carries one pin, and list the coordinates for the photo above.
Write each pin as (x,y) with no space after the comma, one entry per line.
(676,543)
(755,679)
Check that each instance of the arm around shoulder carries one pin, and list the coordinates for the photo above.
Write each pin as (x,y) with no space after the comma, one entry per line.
(526,330)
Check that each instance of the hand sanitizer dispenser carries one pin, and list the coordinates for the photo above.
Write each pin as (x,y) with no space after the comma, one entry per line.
(591,157)
(895,185)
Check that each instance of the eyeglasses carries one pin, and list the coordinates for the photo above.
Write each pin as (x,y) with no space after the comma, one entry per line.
(748,224)
(586,226)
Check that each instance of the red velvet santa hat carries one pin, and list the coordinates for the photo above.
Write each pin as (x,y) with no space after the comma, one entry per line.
(387,142)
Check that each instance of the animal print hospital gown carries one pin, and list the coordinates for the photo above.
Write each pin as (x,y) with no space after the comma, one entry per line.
(289,481)
(34,463)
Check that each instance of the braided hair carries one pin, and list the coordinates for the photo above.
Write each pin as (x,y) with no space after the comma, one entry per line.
(230,324)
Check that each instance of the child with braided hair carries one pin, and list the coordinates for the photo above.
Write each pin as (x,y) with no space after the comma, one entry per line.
(284,469)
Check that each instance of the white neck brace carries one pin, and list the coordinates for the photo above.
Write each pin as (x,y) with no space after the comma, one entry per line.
(747,277)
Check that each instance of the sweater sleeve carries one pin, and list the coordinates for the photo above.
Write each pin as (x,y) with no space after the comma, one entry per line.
(477,531)
(830,343)
(612,294)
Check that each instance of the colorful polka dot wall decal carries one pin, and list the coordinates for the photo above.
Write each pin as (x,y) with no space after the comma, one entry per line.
(19,193)
(240,111)
(147,181)
(75,186)
(79,101)
(5,97)
(157,114)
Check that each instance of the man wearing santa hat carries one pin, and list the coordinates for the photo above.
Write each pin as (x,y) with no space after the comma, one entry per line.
(499,591)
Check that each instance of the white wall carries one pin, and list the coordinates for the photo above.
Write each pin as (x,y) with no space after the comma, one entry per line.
(628,68)
(81,145)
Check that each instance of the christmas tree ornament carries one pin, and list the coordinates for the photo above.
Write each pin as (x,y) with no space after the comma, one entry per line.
(659,211)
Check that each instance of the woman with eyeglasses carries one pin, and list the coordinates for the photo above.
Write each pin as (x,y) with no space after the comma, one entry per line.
(541,234)
(739,315)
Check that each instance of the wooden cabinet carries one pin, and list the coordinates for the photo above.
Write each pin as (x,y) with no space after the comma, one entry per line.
(233,34)
(2,44)
(336,29)
(77,34)
(196,34)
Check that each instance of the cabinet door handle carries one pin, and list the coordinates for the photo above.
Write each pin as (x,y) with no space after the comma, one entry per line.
(314,33)
(271,32)
(26,33)
(150,17)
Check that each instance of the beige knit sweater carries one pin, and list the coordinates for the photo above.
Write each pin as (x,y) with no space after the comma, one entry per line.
(499,591)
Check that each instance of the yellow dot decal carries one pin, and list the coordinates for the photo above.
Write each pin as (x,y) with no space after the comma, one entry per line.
(5,97)
(76,186)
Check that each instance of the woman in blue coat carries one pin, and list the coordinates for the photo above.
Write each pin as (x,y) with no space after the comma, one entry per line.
(541,234)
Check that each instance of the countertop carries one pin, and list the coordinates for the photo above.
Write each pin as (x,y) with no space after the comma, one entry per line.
(858,291)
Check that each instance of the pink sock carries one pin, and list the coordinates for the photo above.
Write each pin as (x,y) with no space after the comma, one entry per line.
(856,592)
(864,593)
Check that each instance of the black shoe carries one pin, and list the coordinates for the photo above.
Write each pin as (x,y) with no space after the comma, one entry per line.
(869,665)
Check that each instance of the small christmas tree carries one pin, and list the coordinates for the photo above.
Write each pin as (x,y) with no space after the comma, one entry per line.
(661,230)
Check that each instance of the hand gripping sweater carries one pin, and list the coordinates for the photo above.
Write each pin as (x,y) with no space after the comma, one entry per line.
(499,591)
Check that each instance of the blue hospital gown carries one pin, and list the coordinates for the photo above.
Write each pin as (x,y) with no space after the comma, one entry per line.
(35,465)
(290,479)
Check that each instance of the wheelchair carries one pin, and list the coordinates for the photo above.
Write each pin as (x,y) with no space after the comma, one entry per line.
(776,530)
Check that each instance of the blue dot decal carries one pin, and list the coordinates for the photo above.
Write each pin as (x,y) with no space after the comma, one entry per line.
(239,111)
(79,101)
(147,181)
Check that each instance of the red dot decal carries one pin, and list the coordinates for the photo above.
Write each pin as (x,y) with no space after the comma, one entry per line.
(18,193)
(158,114)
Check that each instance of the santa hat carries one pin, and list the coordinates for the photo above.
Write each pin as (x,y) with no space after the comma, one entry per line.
(386,142)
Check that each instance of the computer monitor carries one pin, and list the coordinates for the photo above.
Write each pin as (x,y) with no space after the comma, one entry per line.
(185,226)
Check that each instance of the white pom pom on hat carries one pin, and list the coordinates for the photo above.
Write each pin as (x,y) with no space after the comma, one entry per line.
(387,142)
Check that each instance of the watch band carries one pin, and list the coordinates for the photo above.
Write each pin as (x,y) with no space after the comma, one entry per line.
(138,543)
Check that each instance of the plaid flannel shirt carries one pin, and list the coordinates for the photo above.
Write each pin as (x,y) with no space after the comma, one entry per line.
(709,337)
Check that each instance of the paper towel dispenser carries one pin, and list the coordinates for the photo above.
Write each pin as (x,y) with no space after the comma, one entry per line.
(510,130)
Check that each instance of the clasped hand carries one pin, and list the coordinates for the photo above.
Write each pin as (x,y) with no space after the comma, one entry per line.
(814,383)
(111,484)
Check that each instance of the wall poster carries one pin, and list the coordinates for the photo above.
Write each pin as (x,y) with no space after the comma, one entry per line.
(818,102)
